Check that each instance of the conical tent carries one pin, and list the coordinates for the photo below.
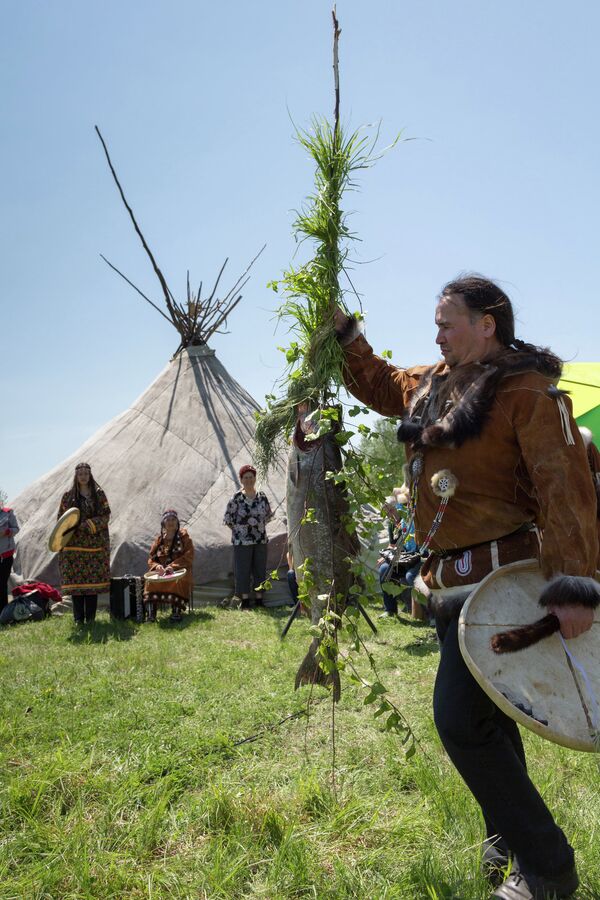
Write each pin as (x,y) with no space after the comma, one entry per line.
(180,445)
(582,381)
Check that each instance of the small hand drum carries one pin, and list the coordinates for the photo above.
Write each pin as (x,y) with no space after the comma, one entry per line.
(155,578)
(63,530)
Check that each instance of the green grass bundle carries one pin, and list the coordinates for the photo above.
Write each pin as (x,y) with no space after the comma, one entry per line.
(312,292)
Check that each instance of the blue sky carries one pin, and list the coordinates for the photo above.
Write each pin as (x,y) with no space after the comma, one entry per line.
(195,100)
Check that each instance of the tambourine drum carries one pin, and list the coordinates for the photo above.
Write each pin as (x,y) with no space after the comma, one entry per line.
(538,687)
(62,532)
(154,578)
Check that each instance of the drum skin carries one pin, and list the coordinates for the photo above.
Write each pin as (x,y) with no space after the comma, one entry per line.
(155,578)
(535,686)
(62,530)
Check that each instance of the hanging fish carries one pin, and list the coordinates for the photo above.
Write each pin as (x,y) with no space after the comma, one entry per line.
(317,511)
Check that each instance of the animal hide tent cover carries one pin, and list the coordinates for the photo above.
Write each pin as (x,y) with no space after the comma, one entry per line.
(180,445)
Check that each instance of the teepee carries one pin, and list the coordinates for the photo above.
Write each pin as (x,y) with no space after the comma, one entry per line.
(179,446)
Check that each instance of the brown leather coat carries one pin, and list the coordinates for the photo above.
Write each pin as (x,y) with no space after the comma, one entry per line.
(526,465)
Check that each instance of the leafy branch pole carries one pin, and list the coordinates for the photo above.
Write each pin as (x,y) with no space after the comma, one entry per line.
(314,375)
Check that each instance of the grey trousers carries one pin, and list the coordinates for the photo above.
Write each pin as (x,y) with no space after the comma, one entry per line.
(249,561)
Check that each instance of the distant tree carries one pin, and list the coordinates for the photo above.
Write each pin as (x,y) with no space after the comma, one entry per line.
(384,456)
(3,497)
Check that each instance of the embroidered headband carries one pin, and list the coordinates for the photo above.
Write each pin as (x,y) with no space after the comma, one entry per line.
(83,465)
(168,514)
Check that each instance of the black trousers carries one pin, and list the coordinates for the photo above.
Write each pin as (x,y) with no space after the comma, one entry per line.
(485,746)
(5,570)
(84,607)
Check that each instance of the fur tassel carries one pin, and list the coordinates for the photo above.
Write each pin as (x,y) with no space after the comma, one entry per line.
(525,636)
(564,590)
(435,436)
(571,590)
(556,392)
(409,431)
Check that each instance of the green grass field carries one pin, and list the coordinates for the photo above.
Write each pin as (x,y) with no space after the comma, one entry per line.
(152,762)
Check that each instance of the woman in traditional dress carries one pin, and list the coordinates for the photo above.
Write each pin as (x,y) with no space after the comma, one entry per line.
(172,549)
(85,562)
(247,515)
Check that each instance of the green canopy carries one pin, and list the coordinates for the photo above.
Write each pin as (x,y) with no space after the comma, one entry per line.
(582,381)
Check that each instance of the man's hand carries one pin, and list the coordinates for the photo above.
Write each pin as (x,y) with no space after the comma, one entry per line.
(340,319)
(574,620)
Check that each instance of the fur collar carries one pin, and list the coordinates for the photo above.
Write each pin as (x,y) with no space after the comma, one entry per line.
(453,405)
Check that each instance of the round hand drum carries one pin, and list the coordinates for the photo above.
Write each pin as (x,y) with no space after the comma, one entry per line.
(62,532)
(155,578)
(535,686)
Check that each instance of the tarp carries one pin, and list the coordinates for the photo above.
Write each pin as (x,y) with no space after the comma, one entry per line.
(582,381)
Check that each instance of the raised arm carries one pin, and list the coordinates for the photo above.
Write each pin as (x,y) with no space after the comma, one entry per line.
(382,387)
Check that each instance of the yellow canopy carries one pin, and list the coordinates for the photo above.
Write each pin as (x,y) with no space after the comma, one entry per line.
(582,381)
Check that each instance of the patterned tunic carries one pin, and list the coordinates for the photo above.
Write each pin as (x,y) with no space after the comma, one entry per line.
(85,562)
(248,518)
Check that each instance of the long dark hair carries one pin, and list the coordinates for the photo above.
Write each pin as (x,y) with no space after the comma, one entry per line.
(483,297)
(76,497)
(162,541)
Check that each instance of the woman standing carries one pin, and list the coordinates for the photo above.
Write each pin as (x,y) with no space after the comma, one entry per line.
(85,562)
(247,515)
(171,550)
(8,528)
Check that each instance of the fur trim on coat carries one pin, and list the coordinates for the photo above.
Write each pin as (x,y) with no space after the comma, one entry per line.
(446,415)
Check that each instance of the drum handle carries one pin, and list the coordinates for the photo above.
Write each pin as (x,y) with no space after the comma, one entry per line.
(593,715)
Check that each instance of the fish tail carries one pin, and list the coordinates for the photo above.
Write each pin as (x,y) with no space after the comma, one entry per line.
(310,672)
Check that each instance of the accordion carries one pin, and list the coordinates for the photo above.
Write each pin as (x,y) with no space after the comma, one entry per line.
(126,598)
